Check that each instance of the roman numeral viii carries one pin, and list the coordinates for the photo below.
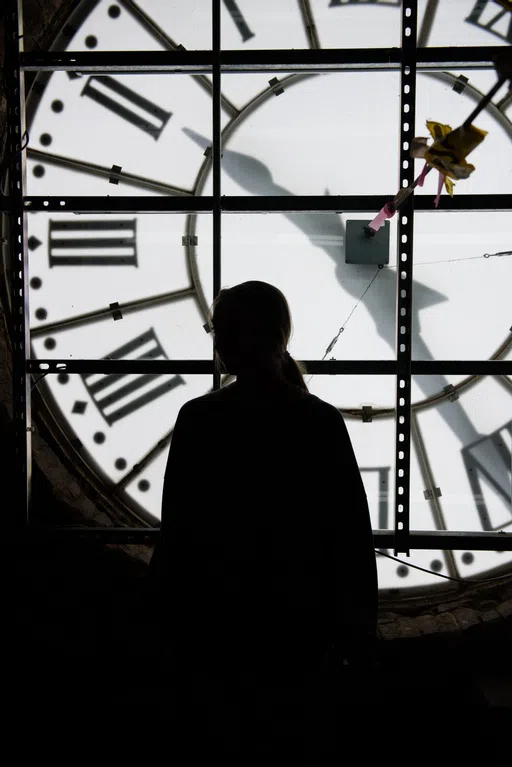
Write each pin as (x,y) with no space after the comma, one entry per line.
(117,395)
(127,104)
(92,243)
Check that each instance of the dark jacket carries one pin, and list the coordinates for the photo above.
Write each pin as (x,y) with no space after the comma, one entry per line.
(266,554)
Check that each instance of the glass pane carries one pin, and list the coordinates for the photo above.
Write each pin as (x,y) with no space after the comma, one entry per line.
(262,25)
(312,134)
(357,23)
(373,441)
(119,135)
(463,446)
(437,100)
(324,24)
(147,25)
(340,310)
(464,22)
(124,441)
(461,289)
(99,281)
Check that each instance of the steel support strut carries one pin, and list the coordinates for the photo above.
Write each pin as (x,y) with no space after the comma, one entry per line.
(18,262)
(216,159)
(405,229)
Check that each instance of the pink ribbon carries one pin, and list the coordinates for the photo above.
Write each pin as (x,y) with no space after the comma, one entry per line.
(386,212)
(439,188)
(422,175)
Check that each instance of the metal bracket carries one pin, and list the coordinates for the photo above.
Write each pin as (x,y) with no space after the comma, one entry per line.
(451,388)
(277,88)
(429,495)
(115,174)
(460,84)
(367,413)
(116,311)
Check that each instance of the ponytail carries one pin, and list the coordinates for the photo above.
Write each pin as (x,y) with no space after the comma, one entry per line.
(294,371)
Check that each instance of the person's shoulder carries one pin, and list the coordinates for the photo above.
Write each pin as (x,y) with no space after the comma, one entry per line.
(210,401)
(325,409)
(205,402)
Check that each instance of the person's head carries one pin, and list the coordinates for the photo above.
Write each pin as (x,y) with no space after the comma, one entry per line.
(252,326)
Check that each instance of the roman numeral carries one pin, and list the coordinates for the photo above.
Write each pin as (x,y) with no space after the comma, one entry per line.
(113,393)
(241,24)
(114,96)
(98,243)
(490,459)
(477,12)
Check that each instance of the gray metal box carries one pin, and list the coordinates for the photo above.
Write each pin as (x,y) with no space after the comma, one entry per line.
(363,249)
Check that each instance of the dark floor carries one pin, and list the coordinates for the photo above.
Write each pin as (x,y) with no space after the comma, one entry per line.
(82,658)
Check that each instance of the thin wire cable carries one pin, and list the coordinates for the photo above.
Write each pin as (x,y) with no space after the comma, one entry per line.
(342,328)
(468,258)
(440,575)
(455,260)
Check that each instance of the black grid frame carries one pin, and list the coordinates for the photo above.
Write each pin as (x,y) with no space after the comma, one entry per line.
(408,60)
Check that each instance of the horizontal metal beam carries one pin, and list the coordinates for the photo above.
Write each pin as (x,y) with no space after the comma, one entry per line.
(271,204)
(201,62)
(382,539)
(317,367)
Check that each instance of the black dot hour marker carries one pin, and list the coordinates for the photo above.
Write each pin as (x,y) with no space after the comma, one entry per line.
(57,105)
(143,485)
(120,464)
(45,139)
(33,243)
(50,343)
(114,11)
(79,406)
(467,557)
(41,314)
(63,378)
(36,283)
(38,171)
(99,437)
(91,41)
(436,565)
(402,571)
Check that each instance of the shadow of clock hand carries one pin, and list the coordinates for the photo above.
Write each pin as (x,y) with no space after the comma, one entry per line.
(327,231)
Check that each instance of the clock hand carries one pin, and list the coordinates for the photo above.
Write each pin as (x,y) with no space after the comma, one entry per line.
(328,232)
(158,34)
(91,169)
(104,314)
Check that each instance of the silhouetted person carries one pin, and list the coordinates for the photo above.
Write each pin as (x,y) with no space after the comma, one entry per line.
(266,556)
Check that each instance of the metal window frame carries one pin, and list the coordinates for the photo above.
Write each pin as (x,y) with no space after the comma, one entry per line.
(408,60)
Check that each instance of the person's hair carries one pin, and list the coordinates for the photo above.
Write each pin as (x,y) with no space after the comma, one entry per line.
(254,318)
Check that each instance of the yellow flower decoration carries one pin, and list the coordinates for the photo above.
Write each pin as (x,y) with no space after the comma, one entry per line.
(450,148)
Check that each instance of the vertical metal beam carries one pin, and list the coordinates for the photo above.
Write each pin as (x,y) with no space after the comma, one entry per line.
(405,229)
(15,93)
(216,158)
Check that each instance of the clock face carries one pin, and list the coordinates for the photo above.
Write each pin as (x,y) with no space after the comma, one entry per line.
(139,286)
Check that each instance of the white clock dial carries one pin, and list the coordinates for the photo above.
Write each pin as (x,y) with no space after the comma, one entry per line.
(139,286)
